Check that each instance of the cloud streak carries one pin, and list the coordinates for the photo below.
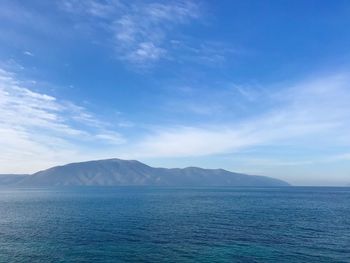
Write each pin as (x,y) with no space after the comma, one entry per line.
(293,117)
(143,33)
(38,129)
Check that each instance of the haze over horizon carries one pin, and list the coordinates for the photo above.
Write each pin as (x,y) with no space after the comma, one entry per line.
(248,86)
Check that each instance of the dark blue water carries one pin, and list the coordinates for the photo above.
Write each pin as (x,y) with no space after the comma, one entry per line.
(175,225)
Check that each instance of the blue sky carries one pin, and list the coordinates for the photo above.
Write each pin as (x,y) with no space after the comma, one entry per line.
(260,87)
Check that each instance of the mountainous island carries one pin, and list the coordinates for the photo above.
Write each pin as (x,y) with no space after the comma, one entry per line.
(117,172)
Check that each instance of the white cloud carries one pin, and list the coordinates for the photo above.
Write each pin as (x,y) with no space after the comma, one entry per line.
(28,53)
(190,141)
(37,130)
(146,51)
(141,31)
(111,137)
(203,52)
(312,113)
(225,100)
(145,32)
(101,9)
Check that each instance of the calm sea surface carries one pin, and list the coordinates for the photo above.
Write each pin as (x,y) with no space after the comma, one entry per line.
(129,224)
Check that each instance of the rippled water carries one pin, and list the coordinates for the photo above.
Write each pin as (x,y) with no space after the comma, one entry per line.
(129,224)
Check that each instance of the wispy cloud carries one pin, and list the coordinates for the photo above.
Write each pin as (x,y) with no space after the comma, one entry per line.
(38,129)
(28,53)
(143,33)
(226,102)
(139,33)
(293,117)
(102,9)
(207,52)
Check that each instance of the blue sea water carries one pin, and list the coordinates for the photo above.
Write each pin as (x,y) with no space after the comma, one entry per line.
(135,224)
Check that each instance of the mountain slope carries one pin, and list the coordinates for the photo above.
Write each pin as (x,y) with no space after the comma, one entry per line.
(9,179)
(114,172)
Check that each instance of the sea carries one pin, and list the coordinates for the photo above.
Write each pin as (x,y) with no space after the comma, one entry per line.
(155,224)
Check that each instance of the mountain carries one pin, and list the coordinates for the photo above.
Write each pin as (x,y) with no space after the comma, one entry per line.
(9,179)
(116,172)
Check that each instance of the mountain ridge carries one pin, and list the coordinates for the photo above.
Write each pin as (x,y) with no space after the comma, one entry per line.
(118,172)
